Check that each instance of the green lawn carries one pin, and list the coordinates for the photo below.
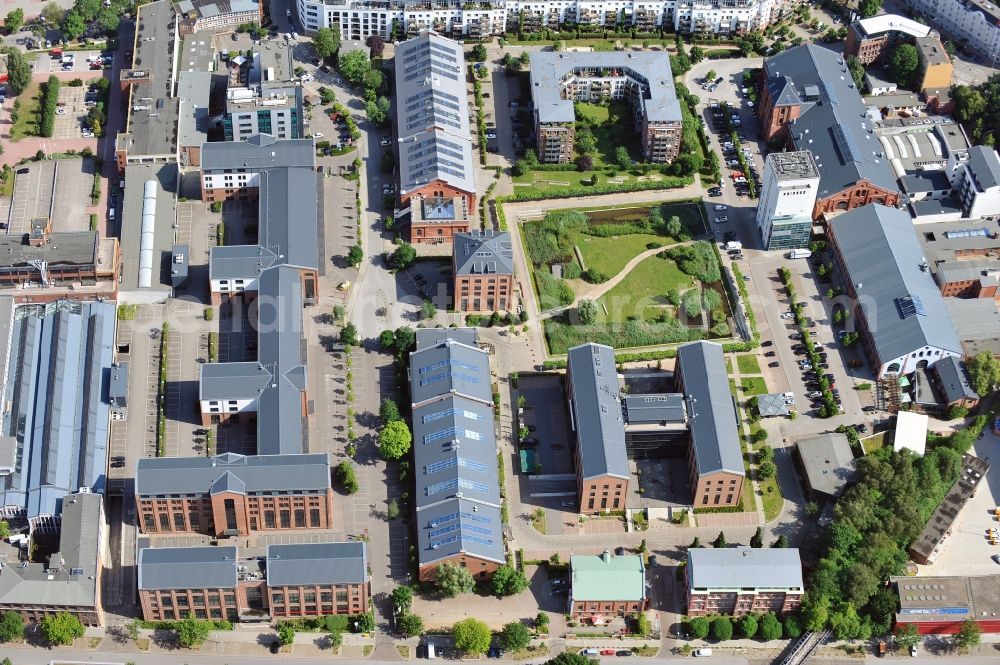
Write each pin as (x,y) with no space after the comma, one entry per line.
(729,369)
(610,255)
(28,114)
(539,183)
(644,288)
(753,385)
(609,134)
(874,442)
(600,44)
(748,364)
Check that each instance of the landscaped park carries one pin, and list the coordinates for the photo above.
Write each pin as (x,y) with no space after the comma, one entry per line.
(631,277)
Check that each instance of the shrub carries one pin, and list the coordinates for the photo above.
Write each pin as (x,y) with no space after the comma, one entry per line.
(345,474)
(50,100)
(699,628)
(722,629)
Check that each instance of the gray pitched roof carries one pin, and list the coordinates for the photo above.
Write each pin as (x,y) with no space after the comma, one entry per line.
(596,410)
(450,368)
(985,165)
(828,462)
(187,568)
(832,124)
(239,381)
(459,526)
(455,451)
(70,577)
(155,476)
(741,567)
(289,210)
(258,153)
(479,253)
(432,114)
(434,336)
(648,70)
(715,439)
(316,564)
(954,380)
(54,376)
(882,256)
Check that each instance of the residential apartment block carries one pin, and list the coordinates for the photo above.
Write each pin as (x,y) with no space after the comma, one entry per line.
(787,199)
(606,585)
(809,99)
(287,581)
(643,79)
(973,23)
(483,266)
(71,580)
(871,39)
(741,580)
(197,15)
(359,19)
(432,118)
(935,65)
(273,108)
(233,495)
(899,312)
(455,454)
(977,183)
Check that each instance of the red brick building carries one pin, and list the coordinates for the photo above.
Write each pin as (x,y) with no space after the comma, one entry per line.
(233,495)
(606,585)
(743,580)
(969,279)
(437,220)
(483,264)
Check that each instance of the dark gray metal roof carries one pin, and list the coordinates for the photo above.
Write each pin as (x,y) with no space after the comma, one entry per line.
(157,476)
(925,181)
(595,405)
(659,408)
(187,568)
(483,253)
(450,368)
(741,567)
(218,381)
(288,213)
(832,124)
(459,526)
(432,114)
(56,395)
(931,206)
(455,451)
(118,388)
(715,438)
(828,462)
(954,380)
(647,70)
(985,166)
(318,564)
(62,249)
(259,152)
(70,577)
(434,336)
(239,261)
(883,258)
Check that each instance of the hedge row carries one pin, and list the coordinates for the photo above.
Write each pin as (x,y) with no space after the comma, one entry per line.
(668,182)
(50,98)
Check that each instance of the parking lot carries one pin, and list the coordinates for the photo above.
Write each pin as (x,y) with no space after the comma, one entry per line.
(426,280)
(56,189)
(70,113)
(46,64)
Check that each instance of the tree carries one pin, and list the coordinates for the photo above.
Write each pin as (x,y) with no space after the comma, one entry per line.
(326,41)
(394,440)
(720,541)
(508,581)
(622,157)
(767,469)
(345,474)
(757,540)
(354,255)
(472,636)
(4,530)
(18,70)
(869,8)
(53,13)
(674,226)
(722,629)
(479,53)
(587,311)
(365,622)
(968,635)
(402,256)
(109,18)
(903,64)
(14,20)
(984,372)
(61,629)
(354,65)
(402,598)
(781,542)
(570,658)
(697,54)
(514,636)
(857,70)
(349,334)
(584,163)
(520,167)
(378,111)
(410,624)
(699,628)
(792,628)
(286,633)
(748,626)
(770,627)
(11,627)
(906,635)
(387,410)
(453,580)
(74,24)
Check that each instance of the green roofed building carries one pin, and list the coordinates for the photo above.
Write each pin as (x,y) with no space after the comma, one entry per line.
(605,585)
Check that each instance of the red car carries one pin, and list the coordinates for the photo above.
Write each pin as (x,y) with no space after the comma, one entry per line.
(607,652)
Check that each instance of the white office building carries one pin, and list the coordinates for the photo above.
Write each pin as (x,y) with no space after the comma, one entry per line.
(973,23)
(787,199)
(360,19)
(273,108)
(978,183)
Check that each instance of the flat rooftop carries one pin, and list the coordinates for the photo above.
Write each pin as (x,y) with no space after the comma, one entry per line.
(953,599)
(940,523)
(796,165)
(977,322)
(136,177)
(932,51)
(942,240)
(153,113)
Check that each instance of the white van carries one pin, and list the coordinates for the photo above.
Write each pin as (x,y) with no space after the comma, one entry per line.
(590,652)
(431,655)
(111,214)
